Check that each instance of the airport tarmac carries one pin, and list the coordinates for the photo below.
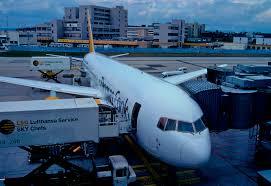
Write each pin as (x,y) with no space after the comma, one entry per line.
(157,65)
(232,160)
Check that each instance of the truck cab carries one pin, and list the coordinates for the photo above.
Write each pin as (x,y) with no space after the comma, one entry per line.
(123,174)
(118,171)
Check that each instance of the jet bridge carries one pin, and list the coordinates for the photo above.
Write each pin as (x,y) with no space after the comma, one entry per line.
(237,98)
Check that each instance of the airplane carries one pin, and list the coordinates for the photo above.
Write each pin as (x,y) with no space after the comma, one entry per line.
(168,122)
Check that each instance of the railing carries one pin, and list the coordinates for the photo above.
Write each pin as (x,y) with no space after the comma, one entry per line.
(138,50)
(108,127)
(112,125)
(102,42)
(106,116)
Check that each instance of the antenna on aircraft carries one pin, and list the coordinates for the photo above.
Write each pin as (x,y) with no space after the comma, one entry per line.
(91,43)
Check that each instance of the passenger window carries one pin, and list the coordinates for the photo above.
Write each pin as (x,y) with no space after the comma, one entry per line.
(185,127)
(171,125)
(161,123)
(199,125)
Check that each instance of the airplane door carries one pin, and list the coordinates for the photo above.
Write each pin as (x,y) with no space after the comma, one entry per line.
(135,113)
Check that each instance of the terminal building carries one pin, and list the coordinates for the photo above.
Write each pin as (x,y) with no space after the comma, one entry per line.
(142,32)
(169,35)
(194,30)
(254,42)
(25,36)
(175,33)
(49,31)
(107,23)
(263,41)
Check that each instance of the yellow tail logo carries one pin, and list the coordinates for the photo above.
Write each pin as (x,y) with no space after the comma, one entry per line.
(91,43)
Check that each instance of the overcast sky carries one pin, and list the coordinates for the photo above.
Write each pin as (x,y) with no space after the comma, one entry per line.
(227,15)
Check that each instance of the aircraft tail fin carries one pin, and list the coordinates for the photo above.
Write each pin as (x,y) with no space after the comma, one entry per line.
(91,42)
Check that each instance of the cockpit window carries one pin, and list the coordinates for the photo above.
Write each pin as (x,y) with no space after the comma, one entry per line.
(171,125)
(167,124)
(185,127)
(199,125)
(161,123)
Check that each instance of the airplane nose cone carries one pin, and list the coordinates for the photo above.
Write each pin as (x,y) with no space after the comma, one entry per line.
(196,154)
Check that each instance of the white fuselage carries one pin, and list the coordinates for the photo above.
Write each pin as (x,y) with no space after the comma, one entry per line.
(157,99)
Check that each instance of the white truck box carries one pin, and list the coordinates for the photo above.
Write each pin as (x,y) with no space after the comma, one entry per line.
(50,63)
(46,122)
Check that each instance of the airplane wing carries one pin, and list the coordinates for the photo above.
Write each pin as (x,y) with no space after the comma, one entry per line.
(73,58)
(119,55)
(64,88)
(178,79)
